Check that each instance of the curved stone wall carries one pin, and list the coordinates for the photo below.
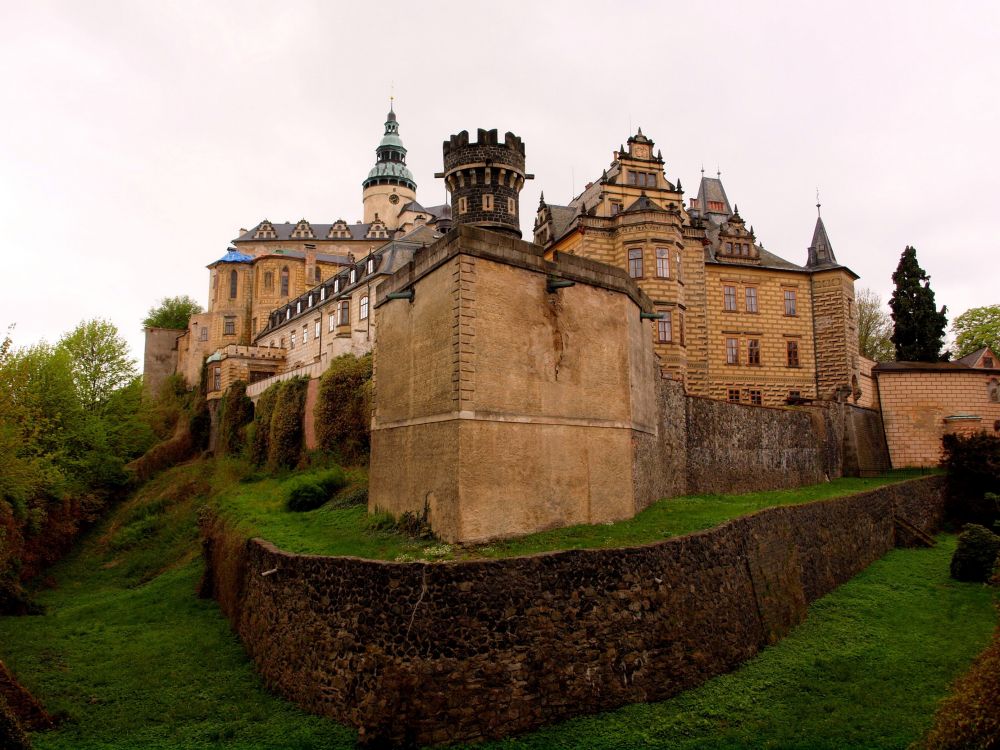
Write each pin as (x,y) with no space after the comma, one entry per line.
(417,653)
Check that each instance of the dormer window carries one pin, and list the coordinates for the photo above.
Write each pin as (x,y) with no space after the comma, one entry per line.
(310,301)
(336,285)
(370,266)
(354,275)
(298,307)
(288,313)
(322,294)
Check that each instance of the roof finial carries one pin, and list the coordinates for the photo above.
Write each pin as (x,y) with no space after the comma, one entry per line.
(703,169)
(818,204)
(718,171)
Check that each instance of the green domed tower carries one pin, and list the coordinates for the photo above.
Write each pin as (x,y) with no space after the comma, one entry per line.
(389,185)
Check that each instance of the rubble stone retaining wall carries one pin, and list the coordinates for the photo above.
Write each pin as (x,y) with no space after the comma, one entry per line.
(417,653)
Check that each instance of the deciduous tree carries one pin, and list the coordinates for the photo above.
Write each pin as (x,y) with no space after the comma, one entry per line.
(975,328)
(918,332)
(100,362)
(172,312)
(874,327)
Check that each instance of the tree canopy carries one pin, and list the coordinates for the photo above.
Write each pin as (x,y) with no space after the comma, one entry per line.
(918,332)
(975,328)
(874,327)
(171,312)
(100,362)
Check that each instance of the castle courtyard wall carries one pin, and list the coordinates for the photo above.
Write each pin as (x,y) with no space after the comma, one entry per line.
(920,407)
(461,651)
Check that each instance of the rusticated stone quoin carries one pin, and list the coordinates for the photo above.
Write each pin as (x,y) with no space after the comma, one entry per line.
(433,652)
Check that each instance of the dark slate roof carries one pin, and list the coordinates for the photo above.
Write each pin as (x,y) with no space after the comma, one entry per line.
(711,189)
(971,359)
(643,203)
(562,219)
(820,249)
(234,256)
(284,231)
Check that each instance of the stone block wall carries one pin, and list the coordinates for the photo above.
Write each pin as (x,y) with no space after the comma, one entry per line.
(417,653)
(159,359)
(741,448)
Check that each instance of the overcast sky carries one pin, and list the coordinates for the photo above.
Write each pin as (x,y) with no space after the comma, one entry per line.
(137,138)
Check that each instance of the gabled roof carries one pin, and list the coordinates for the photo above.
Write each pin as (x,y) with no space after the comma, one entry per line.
(972,359)
(562,219)
(284,232)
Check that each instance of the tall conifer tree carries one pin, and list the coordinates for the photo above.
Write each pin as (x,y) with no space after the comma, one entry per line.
(918,333)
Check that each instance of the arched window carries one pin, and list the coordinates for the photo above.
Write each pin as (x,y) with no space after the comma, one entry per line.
(233,283)
(284,281)
(363,309)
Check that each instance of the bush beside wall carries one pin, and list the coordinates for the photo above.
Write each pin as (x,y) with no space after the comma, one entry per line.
(343,410)
(284,447)
(259,437)
(235,413)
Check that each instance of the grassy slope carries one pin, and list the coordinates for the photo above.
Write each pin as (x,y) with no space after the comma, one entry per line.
(259,508)
(135,660)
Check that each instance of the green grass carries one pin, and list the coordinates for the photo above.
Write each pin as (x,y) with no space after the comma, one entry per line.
(865,670)
(132,659)
(258,507)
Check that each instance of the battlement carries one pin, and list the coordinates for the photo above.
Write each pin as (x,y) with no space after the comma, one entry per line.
(484,138)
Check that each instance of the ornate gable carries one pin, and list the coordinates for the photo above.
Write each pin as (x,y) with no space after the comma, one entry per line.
(377,230)
(736,242)
(265,231)
(303,231)
(339,231)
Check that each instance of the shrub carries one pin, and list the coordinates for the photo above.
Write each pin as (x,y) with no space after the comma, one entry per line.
(261,429)
(310,491)
(285,441)
(200,425)
(343,408)
(351,498)
(973,464)
(976,554)
(235,413)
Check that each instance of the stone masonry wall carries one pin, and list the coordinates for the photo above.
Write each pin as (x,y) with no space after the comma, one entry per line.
(732,446)
(433,652)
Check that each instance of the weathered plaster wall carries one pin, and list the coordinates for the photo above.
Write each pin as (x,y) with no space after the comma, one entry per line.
(159,358)
(432,652)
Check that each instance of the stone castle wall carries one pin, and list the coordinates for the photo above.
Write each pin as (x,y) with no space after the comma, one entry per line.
(433,652)
(159,359)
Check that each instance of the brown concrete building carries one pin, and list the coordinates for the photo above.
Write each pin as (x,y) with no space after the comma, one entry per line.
(738,322)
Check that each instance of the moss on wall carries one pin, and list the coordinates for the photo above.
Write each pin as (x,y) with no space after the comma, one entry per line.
(343,410)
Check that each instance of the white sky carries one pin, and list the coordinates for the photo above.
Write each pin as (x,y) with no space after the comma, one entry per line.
(137,138)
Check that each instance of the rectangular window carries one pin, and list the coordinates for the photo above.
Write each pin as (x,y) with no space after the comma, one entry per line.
(755,398)
(681,315)
(291,340)
(732,351)
(729,247)
(753,352)
(229,327)
(665,329)
(616,207)
(789,302)
(751,297)
(216,378)
(333,321)
(269,281)
(729,298)
(363,308)
(635,263)
(663,263)
(734,395)
(203,334)
(678,265)
(793,353)
(345,313)
(305,334)
(317,329)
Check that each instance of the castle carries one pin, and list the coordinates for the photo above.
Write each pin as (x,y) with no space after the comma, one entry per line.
(732,320)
